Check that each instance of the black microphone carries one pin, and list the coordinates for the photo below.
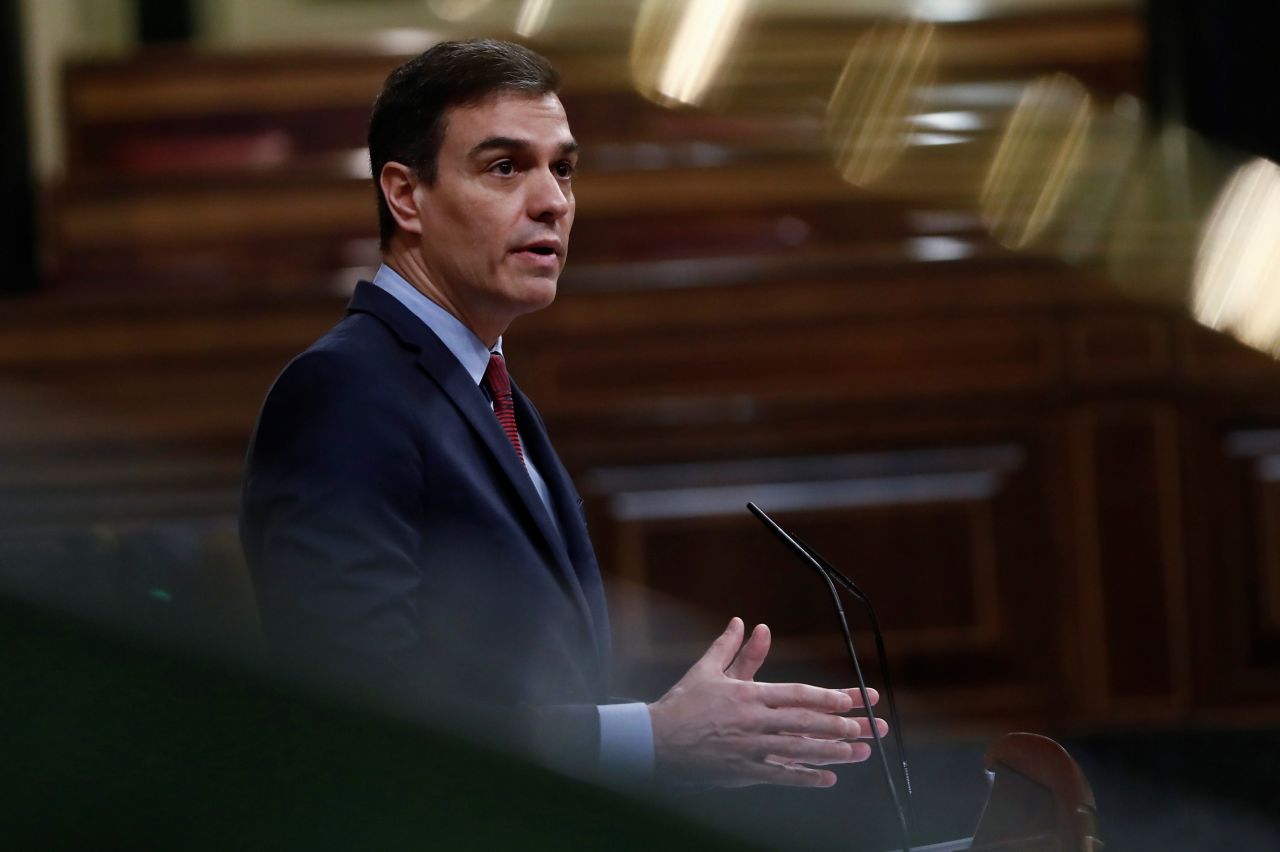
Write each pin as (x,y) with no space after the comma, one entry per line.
(830,576)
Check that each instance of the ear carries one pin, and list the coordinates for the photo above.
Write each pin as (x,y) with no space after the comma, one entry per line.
(399,183)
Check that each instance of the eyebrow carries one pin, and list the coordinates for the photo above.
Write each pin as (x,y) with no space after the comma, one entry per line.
(510,143)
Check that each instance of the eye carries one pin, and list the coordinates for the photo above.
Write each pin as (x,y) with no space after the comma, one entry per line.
(503,167)
(564,169)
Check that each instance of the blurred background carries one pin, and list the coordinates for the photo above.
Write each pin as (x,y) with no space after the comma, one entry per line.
(981,297)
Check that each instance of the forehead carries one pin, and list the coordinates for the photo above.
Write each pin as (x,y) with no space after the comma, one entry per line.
(536,119)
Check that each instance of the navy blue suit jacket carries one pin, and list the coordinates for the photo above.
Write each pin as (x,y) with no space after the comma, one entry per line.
(394,535)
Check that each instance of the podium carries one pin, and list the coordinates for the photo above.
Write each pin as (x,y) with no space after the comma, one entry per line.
(1039,801)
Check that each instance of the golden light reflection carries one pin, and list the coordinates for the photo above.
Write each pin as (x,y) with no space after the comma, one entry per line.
(1237,272)
(1170,189)
(1089,210)
(456,10)
(680,46)
(1037,160)
(532,17)
(869,114)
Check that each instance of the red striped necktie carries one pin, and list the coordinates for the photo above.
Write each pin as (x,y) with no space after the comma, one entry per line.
(499,385)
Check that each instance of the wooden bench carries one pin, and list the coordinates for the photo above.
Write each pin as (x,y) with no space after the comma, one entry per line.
(245,172)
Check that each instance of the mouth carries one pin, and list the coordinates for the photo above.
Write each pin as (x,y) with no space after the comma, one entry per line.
(544,247)
(540,253)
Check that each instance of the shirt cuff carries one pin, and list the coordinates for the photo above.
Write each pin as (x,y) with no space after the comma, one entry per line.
(626,742)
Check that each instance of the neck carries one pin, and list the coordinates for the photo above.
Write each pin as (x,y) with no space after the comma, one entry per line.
(408,264)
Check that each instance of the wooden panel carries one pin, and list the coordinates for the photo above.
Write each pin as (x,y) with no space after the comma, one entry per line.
(1237,600)
(1108,350)
(1132,575)
(929,535)
(1268,567)
(1214,359)
(812,362)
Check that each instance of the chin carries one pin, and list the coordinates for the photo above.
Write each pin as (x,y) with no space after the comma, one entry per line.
(536,294)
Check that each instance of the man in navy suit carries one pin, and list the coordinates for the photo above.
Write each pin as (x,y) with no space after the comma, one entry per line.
(405,517)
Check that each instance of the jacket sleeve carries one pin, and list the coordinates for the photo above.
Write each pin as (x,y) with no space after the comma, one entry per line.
(331,516)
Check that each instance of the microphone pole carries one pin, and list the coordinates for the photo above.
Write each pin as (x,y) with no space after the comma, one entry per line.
(896,726)
(817,566)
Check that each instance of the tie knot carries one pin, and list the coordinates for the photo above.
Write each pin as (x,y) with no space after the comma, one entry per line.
(496,378)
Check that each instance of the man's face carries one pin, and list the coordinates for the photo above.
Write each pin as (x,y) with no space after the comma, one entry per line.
(495,224)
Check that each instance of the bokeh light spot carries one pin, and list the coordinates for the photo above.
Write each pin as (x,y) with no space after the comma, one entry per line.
(869,115)
(532,17)
(1236,288)
(679,49)
(456,10)
(1037,160)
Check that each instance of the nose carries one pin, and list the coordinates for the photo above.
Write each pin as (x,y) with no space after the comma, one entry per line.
(550,199)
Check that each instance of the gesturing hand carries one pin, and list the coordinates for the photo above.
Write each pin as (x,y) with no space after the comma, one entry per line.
(718,726)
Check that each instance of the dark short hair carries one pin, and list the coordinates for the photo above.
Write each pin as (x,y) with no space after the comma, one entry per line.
(409,117)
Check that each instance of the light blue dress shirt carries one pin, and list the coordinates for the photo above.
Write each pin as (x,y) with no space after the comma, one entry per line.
(626,731)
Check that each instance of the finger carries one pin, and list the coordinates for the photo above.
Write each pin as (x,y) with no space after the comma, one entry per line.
(856,695)
(864,727)
(751,655)
(791,720)
(812,751)
(803,695)
(860,753)
(723,649)
(788,775)
(860,730)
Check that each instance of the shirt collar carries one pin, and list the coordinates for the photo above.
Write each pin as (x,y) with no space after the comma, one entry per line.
(470,350)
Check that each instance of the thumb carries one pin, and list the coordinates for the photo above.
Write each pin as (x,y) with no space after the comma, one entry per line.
(724,649)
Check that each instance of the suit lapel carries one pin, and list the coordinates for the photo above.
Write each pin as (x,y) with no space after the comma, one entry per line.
(439,363)
(568,509)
